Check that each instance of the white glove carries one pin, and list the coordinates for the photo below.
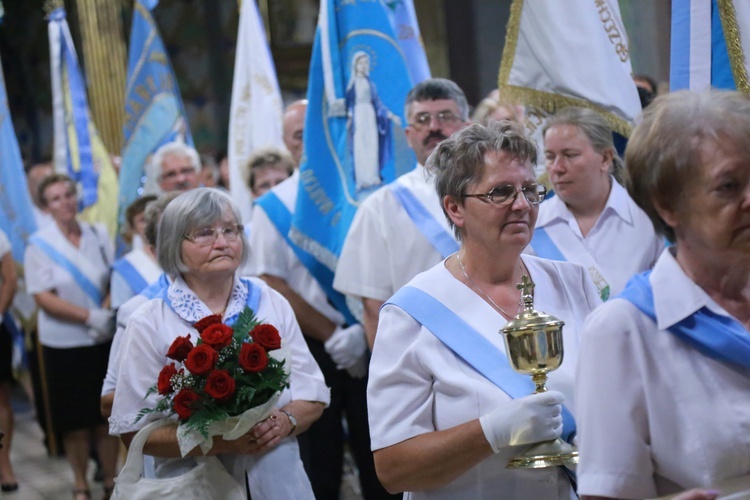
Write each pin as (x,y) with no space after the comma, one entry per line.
(527,420)
(346,346)
(100,323)
(359,369)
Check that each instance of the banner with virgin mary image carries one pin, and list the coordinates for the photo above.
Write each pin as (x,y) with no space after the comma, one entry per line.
(354,140)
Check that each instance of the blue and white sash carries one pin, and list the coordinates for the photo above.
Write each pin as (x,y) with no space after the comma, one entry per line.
(719,337)
(544,246)
(281,218)
(156,287)
(61,260)
(430,228)
(469,345)
(130,274)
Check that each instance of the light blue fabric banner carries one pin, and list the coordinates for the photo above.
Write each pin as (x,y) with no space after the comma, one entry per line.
(716,336)
(354,139)
(16,215)
(404,22)
(470,345)
(154,114)
(81,168)
(699,55)
(281,218)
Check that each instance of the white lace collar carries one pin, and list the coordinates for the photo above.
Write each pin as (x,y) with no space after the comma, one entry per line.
(183,301)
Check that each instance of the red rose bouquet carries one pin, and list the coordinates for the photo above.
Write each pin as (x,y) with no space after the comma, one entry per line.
(225,383)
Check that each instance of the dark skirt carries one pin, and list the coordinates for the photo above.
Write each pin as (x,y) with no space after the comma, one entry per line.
(6,354)
(74,380)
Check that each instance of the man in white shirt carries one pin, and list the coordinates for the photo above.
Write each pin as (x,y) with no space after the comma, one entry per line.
(400,230)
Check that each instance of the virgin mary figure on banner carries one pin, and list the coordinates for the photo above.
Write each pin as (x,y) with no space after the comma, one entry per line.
(369,127)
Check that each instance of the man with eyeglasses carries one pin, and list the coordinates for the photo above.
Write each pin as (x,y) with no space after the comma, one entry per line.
(400,230)
(173,167)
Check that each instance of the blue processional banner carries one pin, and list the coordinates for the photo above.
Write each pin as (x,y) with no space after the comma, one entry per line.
(154,114)
(360,74)
(16,215)
(78,149)
(709,43)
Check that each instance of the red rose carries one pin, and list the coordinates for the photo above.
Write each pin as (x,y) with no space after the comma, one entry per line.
(217,336)
(180,348)
(201,359)
(220,385)
(253,357)
(267,336)
(204,323)
(164,385)
(183,401)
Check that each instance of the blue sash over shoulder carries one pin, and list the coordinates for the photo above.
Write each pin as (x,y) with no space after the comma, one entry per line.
(58,258)
(438,237)
(130,274)
(469,345)
(719,337)
(281,218)
(544,247)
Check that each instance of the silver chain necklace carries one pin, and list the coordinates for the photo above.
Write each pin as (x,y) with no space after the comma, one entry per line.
(476,287)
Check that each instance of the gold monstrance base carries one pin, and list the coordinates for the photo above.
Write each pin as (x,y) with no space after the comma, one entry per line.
(545,454)
(534,345)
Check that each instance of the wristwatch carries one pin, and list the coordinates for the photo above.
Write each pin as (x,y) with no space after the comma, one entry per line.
(292,419)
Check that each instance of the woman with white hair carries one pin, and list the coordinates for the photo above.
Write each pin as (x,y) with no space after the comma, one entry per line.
(200,245)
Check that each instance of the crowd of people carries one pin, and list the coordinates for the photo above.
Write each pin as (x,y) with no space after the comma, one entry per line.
(646,260)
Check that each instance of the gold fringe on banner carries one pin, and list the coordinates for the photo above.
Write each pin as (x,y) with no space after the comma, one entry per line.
(547,102)
(734,45)
(106,59)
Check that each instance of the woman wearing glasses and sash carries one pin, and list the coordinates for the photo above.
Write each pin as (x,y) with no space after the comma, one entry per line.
(591,220)
(200,245)
(664,372)
(440,427)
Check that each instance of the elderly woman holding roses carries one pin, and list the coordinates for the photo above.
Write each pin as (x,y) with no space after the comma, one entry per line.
(201,245)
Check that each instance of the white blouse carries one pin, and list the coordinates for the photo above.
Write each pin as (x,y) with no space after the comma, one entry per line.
(418,385)
(655,416)
(151,330)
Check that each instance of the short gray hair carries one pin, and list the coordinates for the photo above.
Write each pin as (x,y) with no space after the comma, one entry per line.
(153,167)
(435,89)
(665,152)
(459,160)
(191,210)
(595,128)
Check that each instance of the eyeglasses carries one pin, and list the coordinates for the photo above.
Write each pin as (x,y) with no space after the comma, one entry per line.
(505,195)
(207,236)
(184,171)
(425,119)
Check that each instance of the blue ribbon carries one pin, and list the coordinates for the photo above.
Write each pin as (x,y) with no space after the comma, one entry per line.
(281,218)
(469,345)
(130,274)
(155,288)
(441,240)
(82,281)
(713,335)
(544,246)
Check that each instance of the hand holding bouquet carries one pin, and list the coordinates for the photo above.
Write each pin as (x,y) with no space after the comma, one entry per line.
(224,384)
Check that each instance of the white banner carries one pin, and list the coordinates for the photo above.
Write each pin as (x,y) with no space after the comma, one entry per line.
(256,110)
